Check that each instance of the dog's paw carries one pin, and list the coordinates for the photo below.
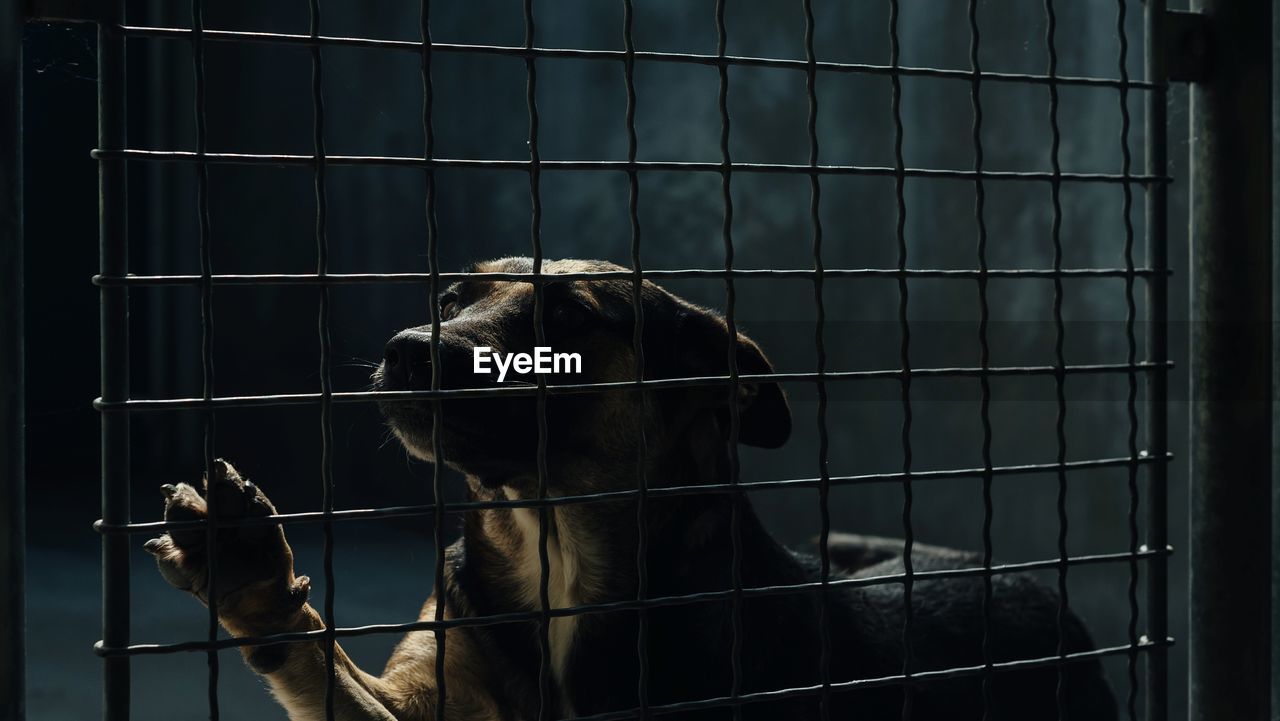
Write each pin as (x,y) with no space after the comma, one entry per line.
(253,564)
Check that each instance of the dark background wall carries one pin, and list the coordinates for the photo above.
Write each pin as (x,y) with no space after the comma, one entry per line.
(266,340)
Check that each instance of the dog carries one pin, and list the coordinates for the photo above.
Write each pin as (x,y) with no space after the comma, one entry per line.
(592,445)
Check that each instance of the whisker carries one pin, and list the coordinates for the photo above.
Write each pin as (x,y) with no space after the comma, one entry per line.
(388,436)
(357,360)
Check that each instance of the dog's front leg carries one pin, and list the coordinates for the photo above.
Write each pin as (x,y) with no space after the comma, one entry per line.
(258,594)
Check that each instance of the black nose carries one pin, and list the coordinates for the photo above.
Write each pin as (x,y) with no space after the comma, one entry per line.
(406,362)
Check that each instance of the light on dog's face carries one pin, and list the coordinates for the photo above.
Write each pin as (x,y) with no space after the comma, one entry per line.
(487,341)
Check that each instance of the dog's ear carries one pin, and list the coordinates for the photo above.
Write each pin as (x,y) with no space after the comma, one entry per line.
(697,344)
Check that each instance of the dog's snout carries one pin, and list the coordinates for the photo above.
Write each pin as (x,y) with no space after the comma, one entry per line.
(406,361)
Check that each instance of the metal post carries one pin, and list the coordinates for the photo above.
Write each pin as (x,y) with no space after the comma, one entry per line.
(1230,546)
(12,437)
(1157,428)
(114,310)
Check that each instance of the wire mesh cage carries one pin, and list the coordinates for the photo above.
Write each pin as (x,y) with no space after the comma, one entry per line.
(949,268)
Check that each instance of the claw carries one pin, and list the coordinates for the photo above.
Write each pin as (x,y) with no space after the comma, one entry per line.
(301,588)
(154,545)
(168,490)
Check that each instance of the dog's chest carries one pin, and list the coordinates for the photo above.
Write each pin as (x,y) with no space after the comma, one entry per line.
(570,562)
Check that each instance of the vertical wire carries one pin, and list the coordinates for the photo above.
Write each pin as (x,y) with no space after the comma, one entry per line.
(326,363)
(539,331)
(206,338)
(735,531)
(433,264)
(820,346)
(988,475)
(1131,404)
(908,533)
(1156,231)
(1156,226)
(113,248)
(1060,375)
(637,346)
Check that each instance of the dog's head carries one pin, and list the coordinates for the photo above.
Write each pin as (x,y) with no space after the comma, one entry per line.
(495,438)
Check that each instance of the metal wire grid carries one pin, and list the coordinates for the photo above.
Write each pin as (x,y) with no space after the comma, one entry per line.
(116,404)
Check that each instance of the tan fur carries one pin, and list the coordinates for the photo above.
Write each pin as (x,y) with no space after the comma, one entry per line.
(573,578)
(407,690)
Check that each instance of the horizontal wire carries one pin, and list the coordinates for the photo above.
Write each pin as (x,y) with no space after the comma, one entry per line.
(621,56)
(858,684)
(361,514)
(629,605)
(290,399)
(286,159)
(710,273)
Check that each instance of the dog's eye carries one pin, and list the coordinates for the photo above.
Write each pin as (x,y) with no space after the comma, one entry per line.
(568,315)
(448,306)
